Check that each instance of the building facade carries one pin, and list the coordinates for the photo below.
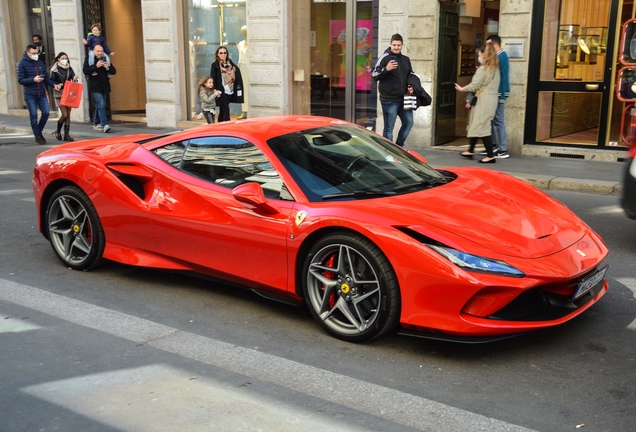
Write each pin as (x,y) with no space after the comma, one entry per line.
(314,57)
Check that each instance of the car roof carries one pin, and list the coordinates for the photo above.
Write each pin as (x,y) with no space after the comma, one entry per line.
(263,128)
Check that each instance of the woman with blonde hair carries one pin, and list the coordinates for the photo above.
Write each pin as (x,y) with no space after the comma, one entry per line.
(485,87)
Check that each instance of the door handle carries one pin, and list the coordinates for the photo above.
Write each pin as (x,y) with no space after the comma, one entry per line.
(591,86)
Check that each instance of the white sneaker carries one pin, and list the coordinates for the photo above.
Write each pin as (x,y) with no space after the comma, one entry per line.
(106,129)
(97,127)
(495,151)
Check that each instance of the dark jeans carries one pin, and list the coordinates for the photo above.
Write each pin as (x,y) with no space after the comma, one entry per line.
(487,140)
(223,103)
(100,109)
(34,102)
(390,112)
(209,116)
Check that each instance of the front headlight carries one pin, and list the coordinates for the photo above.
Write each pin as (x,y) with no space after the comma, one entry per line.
(477,263)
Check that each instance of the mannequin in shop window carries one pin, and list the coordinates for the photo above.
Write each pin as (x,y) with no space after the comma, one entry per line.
(242,63)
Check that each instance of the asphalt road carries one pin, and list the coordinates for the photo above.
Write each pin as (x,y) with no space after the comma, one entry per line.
(125,348)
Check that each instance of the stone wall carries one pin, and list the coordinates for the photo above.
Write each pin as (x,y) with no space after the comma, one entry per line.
(515,22)
(161,26)
(417,22)
(269,73)
(66,16)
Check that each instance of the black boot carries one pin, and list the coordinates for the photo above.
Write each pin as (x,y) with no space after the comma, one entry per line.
(58,133)
(67,137)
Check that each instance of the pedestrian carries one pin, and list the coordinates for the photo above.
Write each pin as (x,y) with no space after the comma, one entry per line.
(485,86)
(499,136)
(61,72)
(229,82)
(98,79)
(392,71)
(95,38)
(37,41)
(33,78)
(208,95)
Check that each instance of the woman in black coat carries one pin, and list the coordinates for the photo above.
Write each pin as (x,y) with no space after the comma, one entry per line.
(61,72)
(227,78)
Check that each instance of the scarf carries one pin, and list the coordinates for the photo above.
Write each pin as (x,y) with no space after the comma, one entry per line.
(228,72)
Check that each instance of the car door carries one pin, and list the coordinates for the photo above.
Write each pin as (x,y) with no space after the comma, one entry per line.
(202,224)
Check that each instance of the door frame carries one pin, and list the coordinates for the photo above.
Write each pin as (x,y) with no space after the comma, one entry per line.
(535,85)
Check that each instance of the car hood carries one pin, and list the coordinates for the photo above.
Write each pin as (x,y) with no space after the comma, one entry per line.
(494,210)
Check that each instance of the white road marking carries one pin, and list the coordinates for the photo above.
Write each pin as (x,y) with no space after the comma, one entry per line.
(415,412)
(613,209)
(15,325)
(10,172)
(14,191)
(162,398)
(631,284)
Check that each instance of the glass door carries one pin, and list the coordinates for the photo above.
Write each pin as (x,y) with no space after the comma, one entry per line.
(569,85)
(340,82)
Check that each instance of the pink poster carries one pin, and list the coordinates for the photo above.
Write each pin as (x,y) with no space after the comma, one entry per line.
(338,48)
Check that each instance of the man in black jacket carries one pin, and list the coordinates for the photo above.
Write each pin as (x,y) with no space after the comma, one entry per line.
(99,85)
(392,71)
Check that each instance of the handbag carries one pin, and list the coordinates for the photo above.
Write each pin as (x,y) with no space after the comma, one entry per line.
(72,94)
(471,100)
(410,102)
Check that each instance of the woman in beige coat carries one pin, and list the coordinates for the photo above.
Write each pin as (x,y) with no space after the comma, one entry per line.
(485,86)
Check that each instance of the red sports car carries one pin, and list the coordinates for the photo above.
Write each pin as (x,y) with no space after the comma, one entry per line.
(321,210)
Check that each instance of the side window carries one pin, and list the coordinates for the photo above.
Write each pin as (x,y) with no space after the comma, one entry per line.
(172,153)
(229,162)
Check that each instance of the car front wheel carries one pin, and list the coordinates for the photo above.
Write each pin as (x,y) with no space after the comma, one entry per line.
(74,229)
(350,287)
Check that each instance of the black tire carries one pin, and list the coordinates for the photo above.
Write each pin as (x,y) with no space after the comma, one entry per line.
(350,287)
(74,229)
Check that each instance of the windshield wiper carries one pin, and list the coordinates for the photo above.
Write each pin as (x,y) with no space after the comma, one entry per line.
(428,183)
(358,194)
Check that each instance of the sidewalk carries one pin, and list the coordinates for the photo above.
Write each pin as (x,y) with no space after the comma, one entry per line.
(603,178)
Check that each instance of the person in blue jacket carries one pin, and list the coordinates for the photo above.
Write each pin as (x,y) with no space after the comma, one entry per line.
(34,78)
(499,135)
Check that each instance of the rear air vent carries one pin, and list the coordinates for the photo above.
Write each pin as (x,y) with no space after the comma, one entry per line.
(567,156)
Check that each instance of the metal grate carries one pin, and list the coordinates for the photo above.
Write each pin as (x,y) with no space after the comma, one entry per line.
(567,156)
(529,303)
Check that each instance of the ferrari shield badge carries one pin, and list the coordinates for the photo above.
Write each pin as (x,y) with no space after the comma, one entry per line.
(300,217)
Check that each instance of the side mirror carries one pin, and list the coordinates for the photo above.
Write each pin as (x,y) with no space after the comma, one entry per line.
(252,193)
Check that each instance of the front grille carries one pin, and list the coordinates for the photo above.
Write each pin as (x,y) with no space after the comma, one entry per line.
(530,303)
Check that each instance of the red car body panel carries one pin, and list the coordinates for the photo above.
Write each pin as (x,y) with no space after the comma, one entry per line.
(186,223)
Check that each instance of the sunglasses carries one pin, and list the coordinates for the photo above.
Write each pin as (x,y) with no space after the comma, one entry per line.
(222,52)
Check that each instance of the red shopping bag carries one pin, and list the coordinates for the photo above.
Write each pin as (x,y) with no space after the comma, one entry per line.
(72,94)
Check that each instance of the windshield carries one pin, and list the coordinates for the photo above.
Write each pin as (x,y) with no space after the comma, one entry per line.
(349,162)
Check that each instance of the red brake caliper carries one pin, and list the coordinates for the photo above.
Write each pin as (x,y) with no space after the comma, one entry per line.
(329,274)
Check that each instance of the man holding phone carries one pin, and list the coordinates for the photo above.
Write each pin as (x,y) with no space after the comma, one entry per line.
(33,77)
(392,71)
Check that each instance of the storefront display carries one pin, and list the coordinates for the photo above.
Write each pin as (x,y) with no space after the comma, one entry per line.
(211,23)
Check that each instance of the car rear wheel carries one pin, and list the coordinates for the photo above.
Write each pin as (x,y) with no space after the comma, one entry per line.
(74,229)
(350,287)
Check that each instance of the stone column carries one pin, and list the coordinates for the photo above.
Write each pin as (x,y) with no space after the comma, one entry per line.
(269,71)
(417,22)
(6,96)
(161,56)
(515,22)
(67,33)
